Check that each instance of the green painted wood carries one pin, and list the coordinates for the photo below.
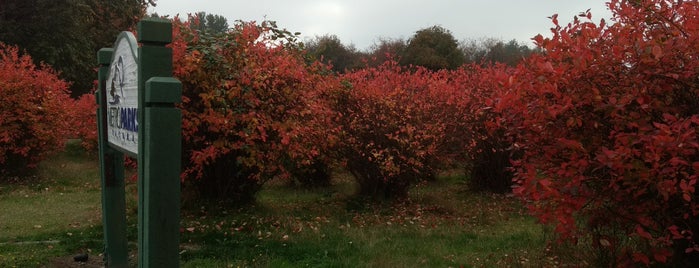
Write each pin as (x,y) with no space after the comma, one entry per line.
(166,90)
(104,57)
(155,61)
(112,179)
(162,168)
(159,148)
(154,30)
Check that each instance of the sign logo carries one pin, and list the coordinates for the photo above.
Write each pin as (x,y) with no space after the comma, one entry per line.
(122,95)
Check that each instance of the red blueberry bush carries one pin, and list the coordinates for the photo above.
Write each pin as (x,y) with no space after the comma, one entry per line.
(84,117)
(33,114)
(607,116)
(248,108)
(598,128)
(391,126)
(487,151)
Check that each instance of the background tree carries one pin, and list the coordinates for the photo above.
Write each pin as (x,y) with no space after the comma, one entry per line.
(490,51)
(329,49)
(65,34)
(510,53)
(386,49)
(210,23)
(434,48)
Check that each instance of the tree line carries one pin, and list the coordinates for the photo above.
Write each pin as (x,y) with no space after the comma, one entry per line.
(434,48)
(65,35)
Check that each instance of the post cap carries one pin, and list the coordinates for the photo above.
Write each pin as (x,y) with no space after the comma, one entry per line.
(163,90)
(104,56)
(155,30)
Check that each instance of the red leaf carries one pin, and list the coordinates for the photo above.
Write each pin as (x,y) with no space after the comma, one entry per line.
(642,232)
(571,144)
(662,255)
(642,258)
(545,183)
(554,19)
(657,52)
(285,140)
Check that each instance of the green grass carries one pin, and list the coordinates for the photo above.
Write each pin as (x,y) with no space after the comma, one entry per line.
(441,225)
(64,195)
(57,214)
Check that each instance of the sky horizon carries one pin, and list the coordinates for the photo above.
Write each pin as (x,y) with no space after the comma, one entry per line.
(362,22)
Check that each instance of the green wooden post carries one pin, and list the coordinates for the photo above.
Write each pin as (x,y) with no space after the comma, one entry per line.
(162,172)
(159,147)
(112,173)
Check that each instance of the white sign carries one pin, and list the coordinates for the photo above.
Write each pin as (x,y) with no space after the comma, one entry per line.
(122,94)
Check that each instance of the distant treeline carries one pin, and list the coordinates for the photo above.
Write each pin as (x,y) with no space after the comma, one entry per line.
(434,48)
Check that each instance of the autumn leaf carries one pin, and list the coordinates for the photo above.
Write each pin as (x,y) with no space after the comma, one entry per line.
(657,52)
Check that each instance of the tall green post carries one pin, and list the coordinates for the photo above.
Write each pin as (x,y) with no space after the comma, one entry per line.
(159,148)
(112,173)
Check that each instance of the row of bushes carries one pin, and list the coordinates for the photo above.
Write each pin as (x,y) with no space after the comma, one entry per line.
(256,109)
(598,130)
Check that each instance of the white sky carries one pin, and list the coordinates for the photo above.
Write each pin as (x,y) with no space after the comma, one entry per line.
(362,22)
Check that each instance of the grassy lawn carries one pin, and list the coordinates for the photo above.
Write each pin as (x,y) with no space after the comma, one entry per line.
(56,214)
(440,226)
(53,213)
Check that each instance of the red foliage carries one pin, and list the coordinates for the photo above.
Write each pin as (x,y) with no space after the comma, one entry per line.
(248,107)
(607,117)
(34,102)
(481,128)
(605,120)
(84,118)
(392,125)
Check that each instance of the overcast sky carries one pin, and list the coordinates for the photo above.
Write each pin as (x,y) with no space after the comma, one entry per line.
(362,22)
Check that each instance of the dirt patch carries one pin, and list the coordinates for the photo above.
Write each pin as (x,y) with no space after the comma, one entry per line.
(69,262)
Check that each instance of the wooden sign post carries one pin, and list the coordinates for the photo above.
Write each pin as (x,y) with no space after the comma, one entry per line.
(137,117)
